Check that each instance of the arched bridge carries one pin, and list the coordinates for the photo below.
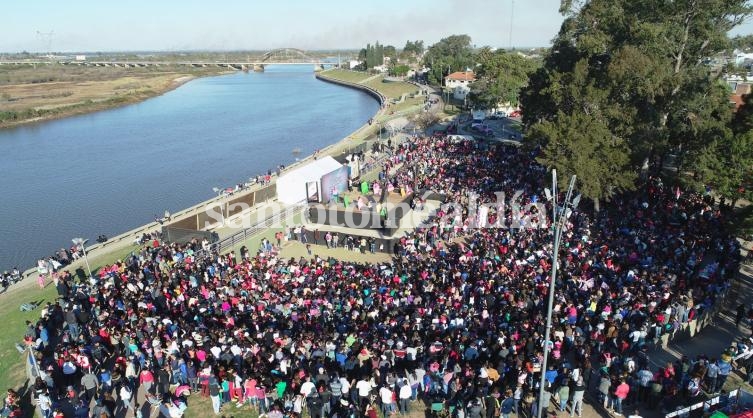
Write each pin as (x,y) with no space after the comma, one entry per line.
(280,56)
(288,55)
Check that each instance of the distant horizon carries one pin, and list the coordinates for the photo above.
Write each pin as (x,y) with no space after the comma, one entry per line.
(517,48)
(42,26)
(235,25)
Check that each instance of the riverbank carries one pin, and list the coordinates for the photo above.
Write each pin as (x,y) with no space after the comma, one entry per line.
(31,95)
(117,247)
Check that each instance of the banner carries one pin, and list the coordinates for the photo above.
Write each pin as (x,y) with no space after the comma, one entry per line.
(334,183)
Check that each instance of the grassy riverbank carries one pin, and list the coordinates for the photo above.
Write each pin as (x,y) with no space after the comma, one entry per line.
(390,89)
(31,93)
(402,99)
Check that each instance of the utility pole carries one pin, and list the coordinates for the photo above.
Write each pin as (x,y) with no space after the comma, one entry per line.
(558,224)
(512,19)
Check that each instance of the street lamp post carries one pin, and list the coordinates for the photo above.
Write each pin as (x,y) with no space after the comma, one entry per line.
(80,242)
(558,221)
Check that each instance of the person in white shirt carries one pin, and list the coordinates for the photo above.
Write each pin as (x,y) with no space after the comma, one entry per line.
(308,388)
(388,405)
(364,390)
(125,395)
(45,404)
(405,395)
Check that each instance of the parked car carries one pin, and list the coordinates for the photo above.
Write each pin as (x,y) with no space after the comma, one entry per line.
(482,129)
(514,114)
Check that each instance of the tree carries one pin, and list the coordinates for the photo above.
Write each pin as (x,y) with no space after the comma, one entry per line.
(583,144)
(726,163)
(499,77)
(372,55)
(744,43)
(453,53)
(636,67)
(414,49)
(390,52)
(399,70)
(425,120)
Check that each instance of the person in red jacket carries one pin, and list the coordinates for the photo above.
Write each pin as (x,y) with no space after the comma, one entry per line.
(146,379)
(620,394)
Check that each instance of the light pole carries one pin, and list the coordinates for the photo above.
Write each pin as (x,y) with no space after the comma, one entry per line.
(80,242)
(559,225)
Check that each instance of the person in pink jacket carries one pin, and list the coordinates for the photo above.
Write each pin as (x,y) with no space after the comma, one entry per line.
(620,394)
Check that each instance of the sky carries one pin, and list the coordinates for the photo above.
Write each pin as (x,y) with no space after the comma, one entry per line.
(178,25)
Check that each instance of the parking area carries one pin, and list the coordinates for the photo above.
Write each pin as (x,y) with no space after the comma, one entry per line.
(499,128)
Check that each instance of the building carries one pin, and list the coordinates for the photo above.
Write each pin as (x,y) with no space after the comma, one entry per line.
(459,78)
(739,89)
(743,59)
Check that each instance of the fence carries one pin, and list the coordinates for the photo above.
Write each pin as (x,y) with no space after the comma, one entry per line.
(735,401)
(172,234)
(690,328)
(243,235)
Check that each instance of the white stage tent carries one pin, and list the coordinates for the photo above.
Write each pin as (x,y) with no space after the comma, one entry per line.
(291,186)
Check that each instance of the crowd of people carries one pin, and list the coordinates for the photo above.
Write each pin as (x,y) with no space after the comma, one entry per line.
(456,319)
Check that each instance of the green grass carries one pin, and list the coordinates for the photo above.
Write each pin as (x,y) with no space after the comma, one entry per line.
(347,75)
(391,89)
(12,366)
(408,104)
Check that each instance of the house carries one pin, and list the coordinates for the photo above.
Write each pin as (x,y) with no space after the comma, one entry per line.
(736,100)
(739,90)
(743,59)
(354,63)
(459,78)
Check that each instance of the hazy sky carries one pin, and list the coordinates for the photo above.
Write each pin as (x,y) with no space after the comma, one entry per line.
(85,25)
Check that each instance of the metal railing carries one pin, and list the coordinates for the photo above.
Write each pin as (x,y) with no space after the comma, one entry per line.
(246,233)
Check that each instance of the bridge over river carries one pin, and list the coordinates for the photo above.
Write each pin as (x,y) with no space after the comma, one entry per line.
(281,56)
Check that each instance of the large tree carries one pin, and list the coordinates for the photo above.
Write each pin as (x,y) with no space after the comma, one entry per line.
(726,163)
(637,66)
(412,50)
(499,77)
(453,53)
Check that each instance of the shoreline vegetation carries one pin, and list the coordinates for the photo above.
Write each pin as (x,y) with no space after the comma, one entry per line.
(31,94)
(12,365)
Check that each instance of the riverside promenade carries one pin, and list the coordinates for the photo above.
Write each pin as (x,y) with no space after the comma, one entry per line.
(126,239)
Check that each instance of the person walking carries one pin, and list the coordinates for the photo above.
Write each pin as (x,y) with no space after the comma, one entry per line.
(620,394)
(563,394)
(604,384)
(214,394)
(406,392)
(508,404)
(578,390)
(125,396)
(386,396)
(44,403)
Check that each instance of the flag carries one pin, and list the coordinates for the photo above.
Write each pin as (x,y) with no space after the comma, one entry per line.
(33,364)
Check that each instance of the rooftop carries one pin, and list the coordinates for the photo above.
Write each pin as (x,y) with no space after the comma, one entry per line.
(462,75)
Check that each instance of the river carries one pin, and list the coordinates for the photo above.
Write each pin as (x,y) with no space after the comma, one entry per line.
(111,171)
